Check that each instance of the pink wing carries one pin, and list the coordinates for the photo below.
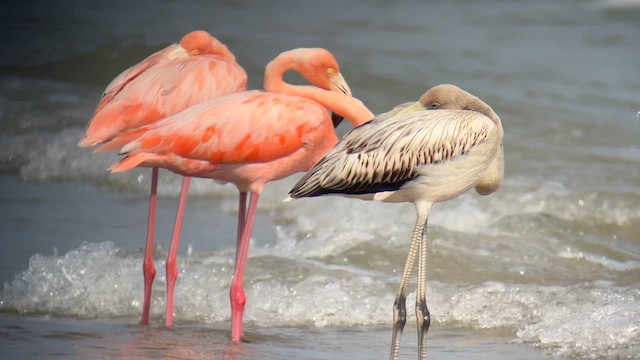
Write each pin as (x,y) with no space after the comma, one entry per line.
(252,126)
(164,84)
(173,51)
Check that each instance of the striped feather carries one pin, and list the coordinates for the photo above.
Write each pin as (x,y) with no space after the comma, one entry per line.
(387,152)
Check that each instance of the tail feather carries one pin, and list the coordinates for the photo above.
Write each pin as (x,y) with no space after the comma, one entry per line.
(131,161)
(86,141)
(102,127)
(121,140)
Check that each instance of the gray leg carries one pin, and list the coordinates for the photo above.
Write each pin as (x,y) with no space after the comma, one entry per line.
(422,312)
(399,307)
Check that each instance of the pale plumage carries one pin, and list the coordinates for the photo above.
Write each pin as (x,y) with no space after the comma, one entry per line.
(248,139)
(417,153)
(384,155)
(197,69)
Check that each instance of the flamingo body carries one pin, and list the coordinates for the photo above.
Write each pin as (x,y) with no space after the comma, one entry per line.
(165,83)
(406,158)
(196,69)
(418,153)
(248,138)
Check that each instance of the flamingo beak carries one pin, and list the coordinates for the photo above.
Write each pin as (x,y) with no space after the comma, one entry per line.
(336,119)
(337,83)
(416,106)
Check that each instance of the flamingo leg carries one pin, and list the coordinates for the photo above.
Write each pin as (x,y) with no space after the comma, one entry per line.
(148,269)
(237,296)
(399,305)
(242,218)
(422,312)
(171,265)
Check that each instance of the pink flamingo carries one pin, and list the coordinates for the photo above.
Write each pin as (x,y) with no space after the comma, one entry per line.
(197,69)
(248,139)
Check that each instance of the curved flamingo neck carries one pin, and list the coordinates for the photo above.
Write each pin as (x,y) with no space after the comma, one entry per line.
(478,105)
(351,108)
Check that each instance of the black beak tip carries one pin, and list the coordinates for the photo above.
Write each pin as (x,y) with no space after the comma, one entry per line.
(336,119)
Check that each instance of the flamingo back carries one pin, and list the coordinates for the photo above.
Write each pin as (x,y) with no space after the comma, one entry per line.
(173,51)
(384,154)
(248,127)
(156,89)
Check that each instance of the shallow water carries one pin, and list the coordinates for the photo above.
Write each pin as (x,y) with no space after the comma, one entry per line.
(547,266)
(119,339)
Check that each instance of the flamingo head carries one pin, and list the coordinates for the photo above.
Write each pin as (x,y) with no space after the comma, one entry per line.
(320,67)
(447,96)
(200,42)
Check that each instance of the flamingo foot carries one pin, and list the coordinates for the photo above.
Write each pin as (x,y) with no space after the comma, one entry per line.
(238,300)
(424,320)
(149,272)
(172,276)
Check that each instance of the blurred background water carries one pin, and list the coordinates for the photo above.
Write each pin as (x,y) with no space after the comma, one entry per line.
(549,266)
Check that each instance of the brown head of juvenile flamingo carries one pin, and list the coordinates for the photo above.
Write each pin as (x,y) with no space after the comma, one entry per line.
(421,154)
(197,69)
(248,139)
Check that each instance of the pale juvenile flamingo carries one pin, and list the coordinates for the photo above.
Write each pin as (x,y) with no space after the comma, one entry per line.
(248,139)
(197,69)
(419,156)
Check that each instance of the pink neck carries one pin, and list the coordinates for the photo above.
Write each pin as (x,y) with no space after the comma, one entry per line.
(351,108)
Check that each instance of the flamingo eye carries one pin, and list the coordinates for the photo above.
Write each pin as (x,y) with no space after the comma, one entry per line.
(331,71)
(434,105)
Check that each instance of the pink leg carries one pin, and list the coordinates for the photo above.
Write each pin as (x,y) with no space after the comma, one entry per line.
(238,298)
(148,270)
(172,268)
(242,218)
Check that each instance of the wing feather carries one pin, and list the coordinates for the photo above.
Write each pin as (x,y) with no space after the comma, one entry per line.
(385,153)
(163,84)
(252,126)
(117,84)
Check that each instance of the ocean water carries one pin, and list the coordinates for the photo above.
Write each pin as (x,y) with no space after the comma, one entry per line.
(546,268)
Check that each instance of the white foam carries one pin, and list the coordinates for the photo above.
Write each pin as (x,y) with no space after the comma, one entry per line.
(588,323)
(86,282)
(580,321)
(570,253)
